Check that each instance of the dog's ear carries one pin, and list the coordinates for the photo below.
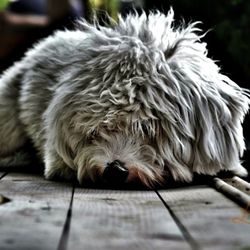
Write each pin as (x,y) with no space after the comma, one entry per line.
(208,105)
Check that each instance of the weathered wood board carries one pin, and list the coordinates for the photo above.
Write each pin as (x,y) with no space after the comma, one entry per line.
(38,217)
(214,221)
(104,219)
(35,215)
(24,177)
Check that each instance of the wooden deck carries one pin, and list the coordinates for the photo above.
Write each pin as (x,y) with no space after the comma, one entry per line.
(44,215)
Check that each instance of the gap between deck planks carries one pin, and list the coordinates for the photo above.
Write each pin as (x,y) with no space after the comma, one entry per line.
(2,174)
(104,219)
(214,221)
(122,220)
(35,216)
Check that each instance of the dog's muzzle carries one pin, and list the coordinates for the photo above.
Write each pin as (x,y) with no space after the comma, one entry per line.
(115,173)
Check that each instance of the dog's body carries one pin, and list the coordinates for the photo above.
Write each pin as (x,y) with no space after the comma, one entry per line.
(142,94)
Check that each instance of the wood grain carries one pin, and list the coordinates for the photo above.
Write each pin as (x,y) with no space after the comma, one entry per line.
(214,221)
(25,177)
(35,215)
(105,219)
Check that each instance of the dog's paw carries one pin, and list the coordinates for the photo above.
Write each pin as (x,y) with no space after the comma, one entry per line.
(239,171)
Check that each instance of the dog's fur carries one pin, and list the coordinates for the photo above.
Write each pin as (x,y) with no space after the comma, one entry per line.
(143,92)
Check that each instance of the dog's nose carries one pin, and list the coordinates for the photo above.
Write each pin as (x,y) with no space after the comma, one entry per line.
(115,172)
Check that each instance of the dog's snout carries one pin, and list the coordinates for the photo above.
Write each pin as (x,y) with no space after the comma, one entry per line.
(115,172)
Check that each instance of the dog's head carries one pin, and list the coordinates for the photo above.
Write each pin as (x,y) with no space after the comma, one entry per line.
(140,104)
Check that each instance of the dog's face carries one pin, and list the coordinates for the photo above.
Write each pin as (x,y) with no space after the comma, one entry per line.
(144,102)
(122,153)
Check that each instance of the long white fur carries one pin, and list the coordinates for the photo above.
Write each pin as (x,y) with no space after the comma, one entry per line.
(143,91)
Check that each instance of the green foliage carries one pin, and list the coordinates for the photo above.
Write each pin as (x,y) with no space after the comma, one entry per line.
(3,4)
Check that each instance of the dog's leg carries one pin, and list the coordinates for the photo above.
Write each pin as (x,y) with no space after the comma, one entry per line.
(55,167)
(12,135)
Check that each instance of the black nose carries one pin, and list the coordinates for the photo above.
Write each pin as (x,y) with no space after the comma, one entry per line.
(115,172)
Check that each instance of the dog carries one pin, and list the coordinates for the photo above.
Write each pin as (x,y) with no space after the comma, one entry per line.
(138,102)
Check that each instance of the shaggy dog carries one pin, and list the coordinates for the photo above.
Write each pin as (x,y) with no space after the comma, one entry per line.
(137,102)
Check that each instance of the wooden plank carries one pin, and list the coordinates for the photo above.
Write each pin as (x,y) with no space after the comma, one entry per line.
(104,219)
(35,215)
(214,221)
(25,177)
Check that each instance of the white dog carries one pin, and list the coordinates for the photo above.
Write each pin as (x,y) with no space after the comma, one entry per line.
(138,102)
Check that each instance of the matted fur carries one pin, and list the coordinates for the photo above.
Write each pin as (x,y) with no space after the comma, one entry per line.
(143,92)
